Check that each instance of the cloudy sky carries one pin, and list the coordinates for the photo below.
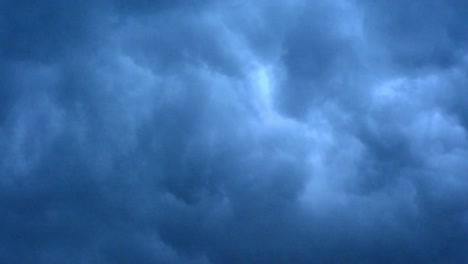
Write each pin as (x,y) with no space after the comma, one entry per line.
(234,131)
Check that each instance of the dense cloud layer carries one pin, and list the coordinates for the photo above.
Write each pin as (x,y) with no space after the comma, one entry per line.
(233,131)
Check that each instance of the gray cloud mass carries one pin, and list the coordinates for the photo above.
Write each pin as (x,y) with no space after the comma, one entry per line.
(233,131)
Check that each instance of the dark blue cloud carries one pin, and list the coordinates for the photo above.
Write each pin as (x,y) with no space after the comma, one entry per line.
(421,34)
(233,132)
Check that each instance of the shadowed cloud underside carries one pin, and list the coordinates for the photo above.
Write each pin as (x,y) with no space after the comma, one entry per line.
(233,131)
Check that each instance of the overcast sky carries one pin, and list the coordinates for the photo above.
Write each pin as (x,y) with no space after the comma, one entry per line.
(234,131)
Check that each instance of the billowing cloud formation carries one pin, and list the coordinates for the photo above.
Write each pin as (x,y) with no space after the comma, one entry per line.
(233,131)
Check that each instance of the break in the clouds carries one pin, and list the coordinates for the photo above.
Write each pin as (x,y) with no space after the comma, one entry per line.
(233,131)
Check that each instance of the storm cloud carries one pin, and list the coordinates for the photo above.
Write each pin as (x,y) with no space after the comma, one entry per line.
(233,131)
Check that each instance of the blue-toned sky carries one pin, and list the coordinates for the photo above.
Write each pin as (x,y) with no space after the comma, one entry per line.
(234,131)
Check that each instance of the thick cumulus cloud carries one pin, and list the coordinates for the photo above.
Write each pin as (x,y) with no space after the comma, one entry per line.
(233,131)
